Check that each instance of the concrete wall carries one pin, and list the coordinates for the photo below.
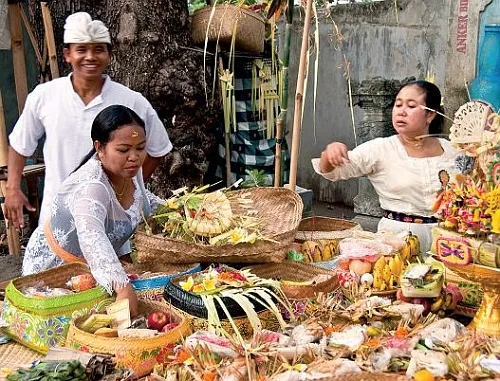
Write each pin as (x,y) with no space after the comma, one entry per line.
(419,37)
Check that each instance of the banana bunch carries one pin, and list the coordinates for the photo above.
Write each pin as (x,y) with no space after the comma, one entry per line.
(386,272)
(411,248)
(320,250)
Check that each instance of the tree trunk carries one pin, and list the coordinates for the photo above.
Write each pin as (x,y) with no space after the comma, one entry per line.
(150,56)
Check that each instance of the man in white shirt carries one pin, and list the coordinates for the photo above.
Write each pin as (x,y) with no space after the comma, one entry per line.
(64,110)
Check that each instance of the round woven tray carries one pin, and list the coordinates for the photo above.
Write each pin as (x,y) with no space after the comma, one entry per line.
(297,272)
(14,356)
(313,228)
(280,211)
(248,27)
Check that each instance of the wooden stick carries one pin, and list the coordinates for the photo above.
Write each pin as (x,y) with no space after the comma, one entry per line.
(297,117)
(49,36)
(16,35)
(31,35)
(277,158)
(43,66)
(12,234)
(227,140)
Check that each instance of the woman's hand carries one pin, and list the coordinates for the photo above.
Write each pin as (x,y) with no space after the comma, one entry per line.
(128,292)
(334,155)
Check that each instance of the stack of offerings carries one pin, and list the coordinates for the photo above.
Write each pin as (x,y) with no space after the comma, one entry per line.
(255,225)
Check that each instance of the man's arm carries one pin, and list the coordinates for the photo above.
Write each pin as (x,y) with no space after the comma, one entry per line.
(15,199)
(149,165)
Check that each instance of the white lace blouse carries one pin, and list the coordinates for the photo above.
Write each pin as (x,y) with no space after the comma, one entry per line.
(88,221)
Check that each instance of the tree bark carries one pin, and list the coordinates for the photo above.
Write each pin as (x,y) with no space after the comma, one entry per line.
(149,55)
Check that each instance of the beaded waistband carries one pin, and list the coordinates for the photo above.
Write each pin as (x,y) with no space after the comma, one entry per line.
(402,217)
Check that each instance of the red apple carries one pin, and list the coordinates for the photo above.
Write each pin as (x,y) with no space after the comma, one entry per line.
(157,320)
(169,327)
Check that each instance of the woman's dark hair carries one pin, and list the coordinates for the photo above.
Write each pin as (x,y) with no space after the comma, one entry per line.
(108,120)
(432,101)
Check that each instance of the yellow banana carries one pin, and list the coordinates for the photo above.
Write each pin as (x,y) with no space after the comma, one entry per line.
(392,266)
(377,279)
(386,273)
(327,253)
(379,265)
(398,266)
(383,286)
(391,282)
(317,254)
(405,252)
(436,306)
(414,243)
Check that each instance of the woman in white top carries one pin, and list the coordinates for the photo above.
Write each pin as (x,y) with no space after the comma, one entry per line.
(407,170)
(99,205)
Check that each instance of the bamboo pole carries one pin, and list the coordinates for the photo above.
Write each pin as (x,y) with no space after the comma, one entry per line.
(297,117)
(13,241)
(285,58)
(278,154)
(49,37)
(18,61)
(227,139)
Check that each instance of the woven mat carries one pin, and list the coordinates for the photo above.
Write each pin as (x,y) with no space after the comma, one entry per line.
(14,356)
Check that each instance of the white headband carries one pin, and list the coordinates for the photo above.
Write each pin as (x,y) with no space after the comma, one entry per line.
(80,28)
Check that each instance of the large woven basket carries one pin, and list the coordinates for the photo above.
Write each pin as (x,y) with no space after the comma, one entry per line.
(42,322)
(291,271)
(279,209)
(314,228)
(137,354)
(248,27)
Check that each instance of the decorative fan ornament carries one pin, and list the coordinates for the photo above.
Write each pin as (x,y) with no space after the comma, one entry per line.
(469,124)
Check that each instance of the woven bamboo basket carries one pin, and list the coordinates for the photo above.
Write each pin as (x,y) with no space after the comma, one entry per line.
(137,354)
(297,272)
(280,211)
(192,304)
(248,27)
(151,287)
(314,228)
(42,322)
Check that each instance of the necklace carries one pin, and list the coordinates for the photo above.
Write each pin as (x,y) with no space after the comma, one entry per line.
(119,195)
(412,142)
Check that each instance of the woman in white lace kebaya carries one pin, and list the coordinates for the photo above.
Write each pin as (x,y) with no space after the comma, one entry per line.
(99,205)
(407,170)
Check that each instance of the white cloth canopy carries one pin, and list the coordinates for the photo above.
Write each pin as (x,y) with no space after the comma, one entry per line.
(81,29)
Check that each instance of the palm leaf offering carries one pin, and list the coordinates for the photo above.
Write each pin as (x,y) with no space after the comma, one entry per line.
(207,218)
(218,285)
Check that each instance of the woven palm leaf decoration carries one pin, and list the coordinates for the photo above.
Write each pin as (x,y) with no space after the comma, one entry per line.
(469,123)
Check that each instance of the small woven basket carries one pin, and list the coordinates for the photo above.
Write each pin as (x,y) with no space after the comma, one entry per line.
(192,304)
(42,322)
(280,211)
(137,354)
(292,271)
(249,27)
(315,228)
(152,287)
